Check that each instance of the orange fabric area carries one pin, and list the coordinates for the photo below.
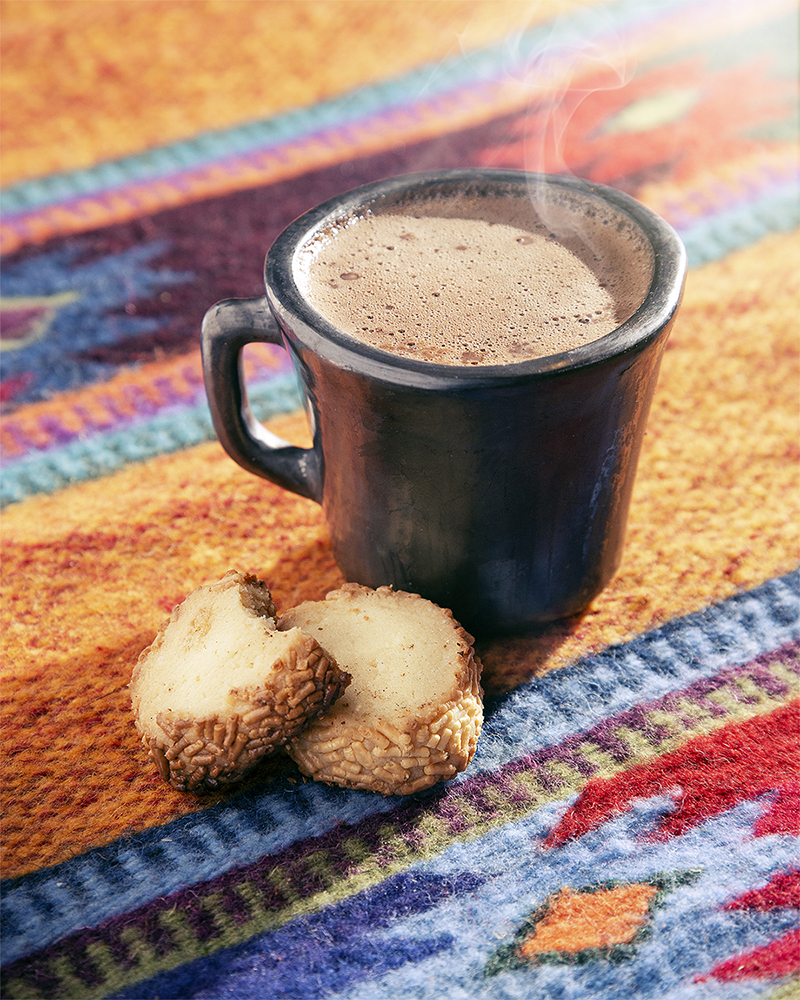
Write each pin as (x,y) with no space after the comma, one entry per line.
(90,572)
(578,920)
(85,81)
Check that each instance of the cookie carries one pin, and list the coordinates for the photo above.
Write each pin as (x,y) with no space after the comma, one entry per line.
(413,711)
(220,686)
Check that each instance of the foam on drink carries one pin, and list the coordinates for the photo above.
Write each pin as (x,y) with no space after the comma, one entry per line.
(477,280)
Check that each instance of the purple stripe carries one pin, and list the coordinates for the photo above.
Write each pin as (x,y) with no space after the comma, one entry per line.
(742,191)
(116,411)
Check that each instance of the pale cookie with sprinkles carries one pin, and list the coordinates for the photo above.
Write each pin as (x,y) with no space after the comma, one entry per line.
(414,709)
(220,687)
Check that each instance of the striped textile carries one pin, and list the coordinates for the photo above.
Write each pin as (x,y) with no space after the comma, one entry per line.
(629,826)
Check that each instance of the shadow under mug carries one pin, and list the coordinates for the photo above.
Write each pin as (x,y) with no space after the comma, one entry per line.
(500,492)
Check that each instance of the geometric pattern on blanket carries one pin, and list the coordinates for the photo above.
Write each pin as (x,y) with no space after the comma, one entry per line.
(629,825)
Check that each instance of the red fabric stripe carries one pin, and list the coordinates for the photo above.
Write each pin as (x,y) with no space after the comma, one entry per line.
(776,959)
(783,889)
(712,772)
(783,816)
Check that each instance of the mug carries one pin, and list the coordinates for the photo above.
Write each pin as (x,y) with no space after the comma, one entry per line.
(500,492)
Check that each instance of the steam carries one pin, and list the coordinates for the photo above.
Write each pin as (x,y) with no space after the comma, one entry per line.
(558,67)
(551,66)
(578,55)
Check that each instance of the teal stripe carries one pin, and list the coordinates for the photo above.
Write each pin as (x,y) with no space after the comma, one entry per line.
(102,454)
(734,229)
(425,84)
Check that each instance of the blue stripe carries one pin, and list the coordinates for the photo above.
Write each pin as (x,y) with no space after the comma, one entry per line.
(441,920)
(40,908)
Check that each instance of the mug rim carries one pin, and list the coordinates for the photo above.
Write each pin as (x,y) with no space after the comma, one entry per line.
(325,339)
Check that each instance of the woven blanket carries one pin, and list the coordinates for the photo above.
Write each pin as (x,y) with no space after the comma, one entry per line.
(629,825)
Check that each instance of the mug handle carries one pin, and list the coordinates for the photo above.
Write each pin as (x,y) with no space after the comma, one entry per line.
(227,327)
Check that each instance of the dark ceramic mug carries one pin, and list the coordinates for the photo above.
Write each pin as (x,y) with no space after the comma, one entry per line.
(501,492)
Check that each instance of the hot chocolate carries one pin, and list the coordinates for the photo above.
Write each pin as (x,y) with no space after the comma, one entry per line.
(464,279)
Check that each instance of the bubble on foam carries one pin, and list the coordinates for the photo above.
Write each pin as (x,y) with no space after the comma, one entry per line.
(479,280)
